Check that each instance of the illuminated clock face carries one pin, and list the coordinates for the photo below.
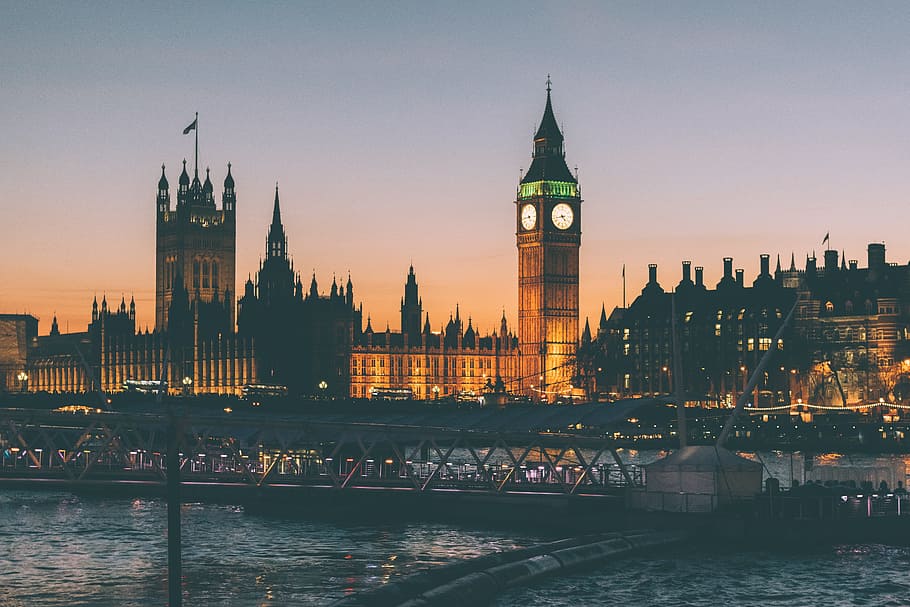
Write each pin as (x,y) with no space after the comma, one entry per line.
(528,216)
(562,216)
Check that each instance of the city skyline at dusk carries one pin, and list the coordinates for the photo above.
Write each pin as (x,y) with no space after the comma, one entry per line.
(397,135)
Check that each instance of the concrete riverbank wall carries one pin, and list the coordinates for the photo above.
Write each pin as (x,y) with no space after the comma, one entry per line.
(571,513)
(478,581)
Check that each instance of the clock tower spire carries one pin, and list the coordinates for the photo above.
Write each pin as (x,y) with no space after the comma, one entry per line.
(548,206)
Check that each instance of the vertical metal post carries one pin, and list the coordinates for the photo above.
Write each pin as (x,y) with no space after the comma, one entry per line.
(196,122)
(759,370)
(678,383)
(175,596)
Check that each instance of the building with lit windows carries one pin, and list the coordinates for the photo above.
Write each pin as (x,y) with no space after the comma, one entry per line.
(193,347)
(286,337)
(416,362)
(848,342)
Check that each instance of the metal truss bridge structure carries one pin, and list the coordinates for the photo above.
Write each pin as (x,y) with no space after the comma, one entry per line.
(485,454)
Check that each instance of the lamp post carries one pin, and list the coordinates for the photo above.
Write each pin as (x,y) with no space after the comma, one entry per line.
(793,385)
(742,370)
(22,376)
(322,386)
(187,382)
(435,392)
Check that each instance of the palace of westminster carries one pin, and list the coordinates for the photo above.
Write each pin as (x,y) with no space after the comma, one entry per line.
(848,342)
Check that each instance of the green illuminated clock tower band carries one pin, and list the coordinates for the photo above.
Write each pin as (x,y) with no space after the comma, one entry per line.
(548,208)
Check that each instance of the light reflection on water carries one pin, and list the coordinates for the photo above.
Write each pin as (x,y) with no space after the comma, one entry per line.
(57,549)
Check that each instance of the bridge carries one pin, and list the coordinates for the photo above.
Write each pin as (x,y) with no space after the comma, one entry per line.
(518,463)
(539,454)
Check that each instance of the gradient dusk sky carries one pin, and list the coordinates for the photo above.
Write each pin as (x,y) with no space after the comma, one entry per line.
(397,131)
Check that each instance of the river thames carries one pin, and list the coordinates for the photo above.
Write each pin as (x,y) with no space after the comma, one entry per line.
(62,549)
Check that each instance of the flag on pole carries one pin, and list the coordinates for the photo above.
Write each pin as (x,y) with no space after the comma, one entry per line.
(827,234)
(192,127)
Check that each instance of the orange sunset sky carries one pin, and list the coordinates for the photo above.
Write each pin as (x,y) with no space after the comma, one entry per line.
(397,134)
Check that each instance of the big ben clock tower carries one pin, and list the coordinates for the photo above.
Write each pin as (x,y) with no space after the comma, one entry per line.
(548,220)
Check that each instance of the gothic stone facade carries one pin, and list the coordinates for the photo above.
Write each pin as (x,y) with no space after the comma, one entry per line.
(454,362)
(548,234)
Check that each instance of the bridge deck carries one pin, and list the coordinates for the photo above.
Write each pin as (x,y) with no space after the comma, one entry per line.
(539,453)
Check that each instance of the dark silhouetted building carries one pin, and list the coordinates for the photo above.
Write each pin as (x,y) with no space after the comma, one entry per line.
(18,336)
(303,339)
(195,253)
(848,343)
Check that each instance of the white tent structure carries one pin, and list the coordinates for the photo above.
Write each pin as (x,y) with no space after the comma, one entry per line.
(697,479)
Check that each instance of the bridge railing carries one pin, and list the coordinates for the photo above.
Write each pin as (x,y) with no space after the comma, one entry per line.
(832,507)
(122,447)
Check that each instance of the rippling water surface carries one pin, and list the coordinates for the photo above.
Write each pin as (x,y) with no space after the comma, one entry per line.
(59,549)
(870,575)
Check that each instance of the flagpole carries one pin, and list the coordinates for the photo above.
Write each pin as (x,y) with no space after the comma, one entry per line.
(197,143)
(624,286)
